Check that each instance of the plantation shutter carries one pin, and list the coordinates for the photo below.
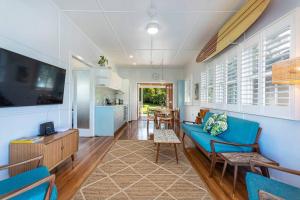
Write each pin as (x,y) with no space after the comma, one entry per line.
(276,48)
(249,75)
(220,83)
(232,80)
(203,87)
(210,84)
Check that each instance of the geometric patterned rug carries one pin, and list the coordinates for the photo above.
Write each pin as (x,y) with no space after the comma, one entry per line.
(128,172)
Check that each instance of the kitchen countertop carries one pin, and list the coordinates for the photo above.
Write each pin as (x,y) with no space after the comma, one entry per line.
(110,105)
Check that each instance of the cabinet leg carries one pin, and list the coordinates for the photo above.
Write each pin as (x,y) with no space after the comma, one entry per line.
(73,159)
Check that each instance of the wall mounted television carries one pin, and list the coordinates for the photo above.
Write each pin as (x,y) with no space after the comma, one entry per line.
(28,82)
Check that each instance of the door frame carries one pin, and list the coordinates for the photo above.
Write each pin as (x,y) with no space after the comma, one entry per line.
(88,67)
(153,84)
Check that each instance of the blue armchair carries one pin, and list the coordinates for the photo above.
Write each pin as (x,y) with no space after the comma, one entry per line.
(35,184)
(258,185)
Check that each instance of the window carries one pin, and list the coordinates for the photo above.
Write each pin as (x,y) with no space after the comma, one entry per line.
(210,84)
(276,48)
(220,68)
(203,87)
(249,75)
(232,80)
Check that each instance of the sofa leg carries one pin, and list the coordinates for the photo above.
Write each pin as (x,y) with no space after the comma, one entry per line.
(213,164)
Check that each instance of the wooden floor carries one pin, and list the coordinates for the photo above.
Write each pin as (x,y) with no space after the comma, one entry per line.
(92,150)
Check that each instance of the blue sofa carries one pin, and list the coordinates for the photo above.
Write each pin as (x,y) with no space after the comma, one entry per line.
(35,184)
(241,136)
(257,183)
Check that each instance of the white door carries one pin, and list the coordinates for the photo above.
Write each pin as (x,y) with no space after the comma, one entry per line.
(82,102)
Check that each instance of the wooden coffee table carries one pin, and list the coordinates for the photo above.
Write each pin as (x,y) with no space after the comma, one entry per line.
(165,136)
(243,159)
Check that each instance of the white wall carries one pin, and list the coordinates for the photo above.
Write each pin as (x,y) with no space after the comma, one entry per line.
(280,138)
(38,29)
(144,75)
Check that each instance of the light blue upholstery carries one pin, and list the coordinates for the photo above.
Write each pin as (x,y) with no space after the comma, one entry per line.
(188,128)
(203,139)
(257,182)
(239,131)
(27,178)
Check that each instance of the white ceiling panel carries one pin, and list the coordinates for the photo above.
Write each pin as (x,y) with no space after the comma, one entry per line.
(95,26)
(174,27)
(197,5)
(131,29)
(125,5)
(197,38)
(171,5)
(118,27)
(77,4)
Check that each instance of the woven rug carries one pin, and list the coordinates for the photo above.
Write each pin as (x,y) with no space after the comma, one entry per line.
(128,171)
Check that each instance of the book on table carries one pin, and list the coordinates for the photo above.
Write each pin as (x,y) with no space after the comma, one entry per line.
(33,139)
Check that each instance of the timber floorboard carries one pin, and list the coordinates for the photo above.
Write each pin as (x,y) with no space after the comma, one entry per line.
(90,153)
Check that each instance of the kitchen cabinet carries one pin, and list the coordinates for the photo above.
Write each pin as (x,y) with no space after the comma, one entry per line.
(108,119)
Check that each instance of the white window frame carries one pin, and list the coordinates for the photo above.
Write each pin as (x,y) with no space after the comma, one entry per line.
(211,77)
(220,62)
(232,53)
(253,109)
(274,110)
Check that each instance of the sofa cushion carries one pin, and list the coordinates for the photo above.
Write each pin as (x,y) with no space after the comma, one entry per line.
(257,182)
(188,128)
(240,131)
(203,139)
(27,178)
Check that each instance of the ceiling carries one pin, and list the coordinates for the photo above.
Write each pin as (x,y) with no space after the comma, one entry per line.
(118,27)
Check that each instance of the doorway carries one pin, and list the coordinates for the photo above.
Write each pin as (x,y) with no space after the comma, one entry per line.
(151,95)
(82,98)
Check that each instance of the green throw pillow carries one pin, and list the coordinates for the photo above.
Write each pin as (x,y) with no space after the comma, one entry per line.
(218,128)
(209,123)
(220,125)
(216,124)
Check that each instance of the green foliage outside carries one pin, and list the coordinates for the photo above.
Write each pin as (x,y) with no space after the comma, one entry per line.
(153,97)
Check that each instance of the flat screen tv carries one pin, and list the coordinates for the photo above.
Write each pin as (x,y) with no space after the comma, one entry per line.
(28,82)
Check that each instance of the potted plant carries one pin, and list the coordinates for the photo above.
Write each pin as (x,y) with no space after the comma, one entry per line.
(103,61)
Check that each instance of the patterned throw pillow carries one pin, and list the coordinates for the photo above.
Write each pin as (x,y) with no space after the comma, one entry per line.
(218,128)
(220,125)
(210,122)
(216,124)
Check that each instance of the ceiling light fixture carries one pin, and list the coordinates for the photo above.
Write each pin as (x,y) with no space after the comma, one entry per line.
(130,56)
(152,28)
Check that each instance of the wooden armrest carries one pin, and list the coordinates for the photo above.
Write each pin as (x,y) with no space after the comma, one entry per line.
(254,163)
(39,158)
(212,144)
(50,179)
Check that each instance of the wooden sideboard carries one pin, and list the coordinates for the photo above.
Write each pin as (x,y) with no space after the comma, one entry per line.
(54,148)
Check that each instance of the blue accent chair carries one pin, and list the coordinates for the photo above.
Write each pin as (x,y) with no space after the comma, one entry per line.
(257,183)
(35,184)
(241,136)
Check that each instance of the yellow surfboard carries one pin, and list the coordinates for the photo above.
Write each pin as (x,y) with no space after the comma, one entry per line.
(234,28)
